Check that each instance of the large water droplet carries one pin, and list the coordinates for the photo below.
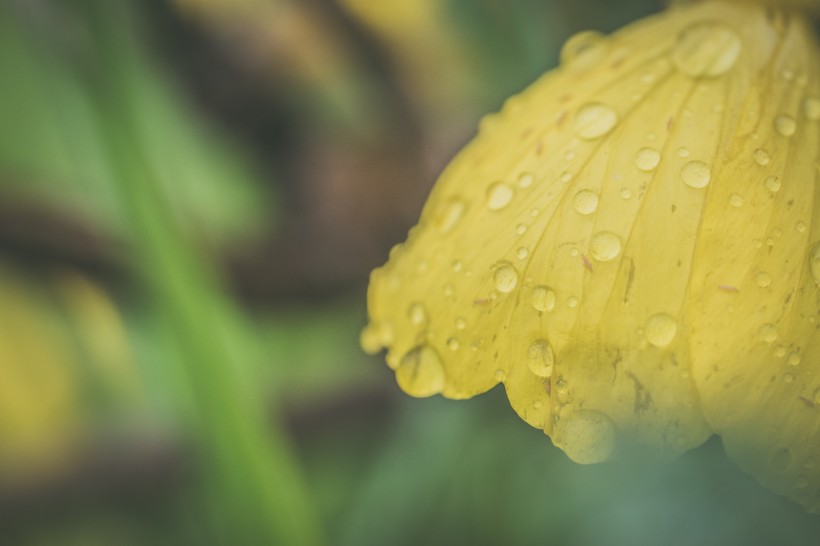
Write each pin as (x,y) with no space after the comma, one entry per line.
(647,159)
(583,50)
(594,121)
(540,358)
(785,125)
(421,372)
(707,49)
(499,195)
(586,436)
(450,215)
(543,298)
(604,246)
(660,329)
(696,174)
(417,313)
(505,278)
(586,202)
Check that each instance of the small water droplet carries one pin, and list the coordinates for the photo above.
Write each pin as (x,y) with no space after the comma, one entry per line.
(369,340)
(736,200)
(785,125)
(683,152)
(800,227)
(794,358)
(706,49)
(586,436)
(521,229)
(449,290)
(417,313)
(696,174)
(572,302)
(525,180)
(586,202)
(453,344)
(660,329)
(420,372)
(626,193)
(761,156)
(570,155)
(811,108)
(768,333)
(566,176)
(461,323)
(583,50)
(779,350)
(605,246)
(772,183)
(505,278)
(763,279)
(500,375)
(543,298)
(647,159)
(451,215)
(522,253)
(594,121)
(540,358)
(789,378)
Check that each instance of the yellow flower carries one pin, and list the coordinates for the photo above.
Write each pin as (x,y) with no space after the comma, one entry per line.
(632,247)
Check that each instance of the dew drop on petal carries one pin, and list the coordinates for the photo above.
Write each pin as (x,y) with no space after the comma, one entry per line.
(505,278)
(761,157)
(605,246)
(594,120)
(525,180)
(586,436)
(785,125)
(660,329)
(420,372)
(499,195)
(522,253)
(417,313)
(586,202)
(736,200)
(794,358)
(542,298)
(500,375)
(763,279)
(768,333)
(706,49)
(583,49)
(451,215)
(572,302)
(696,174)
(461,323)
(647,159)
(453,344)
(540,358)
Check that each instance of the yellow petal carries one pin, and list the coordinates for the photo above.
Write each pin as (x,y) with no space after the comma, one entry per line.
(585,248)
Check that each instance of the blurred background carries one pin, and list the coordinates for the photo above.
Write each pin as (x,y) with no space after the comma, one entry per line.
(192,196)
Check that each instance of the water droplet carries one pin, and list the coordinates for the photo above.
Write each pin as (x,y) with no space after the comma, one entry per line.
(421,372)
(521,229)
(457,266)
(785,125)
(626,193)
(499,195)
(696,174)
(604,246)
(815,263)
(570,155)
(566,176)
(647,159)
(453,344)
(736,200)
(800,227)
(369,340)
(461,323)
(500,375)
(584,49)
(572,302)
(594,121)
(811,108)
(540,358)
(763,279)
(449,290)
(660,329)
(525,180)
(707,49)
(789,378)
(522,253)
(451,215)
(543,298)
(586,202)
(768,333)
(779,350)
(505,278)
(586,436)
(683,152)
(772,183)
(761,157)
(417,313)
(794,358)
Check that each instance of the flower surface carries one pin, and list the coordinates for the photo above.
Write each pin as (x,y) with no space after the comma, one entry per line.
(632,247)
